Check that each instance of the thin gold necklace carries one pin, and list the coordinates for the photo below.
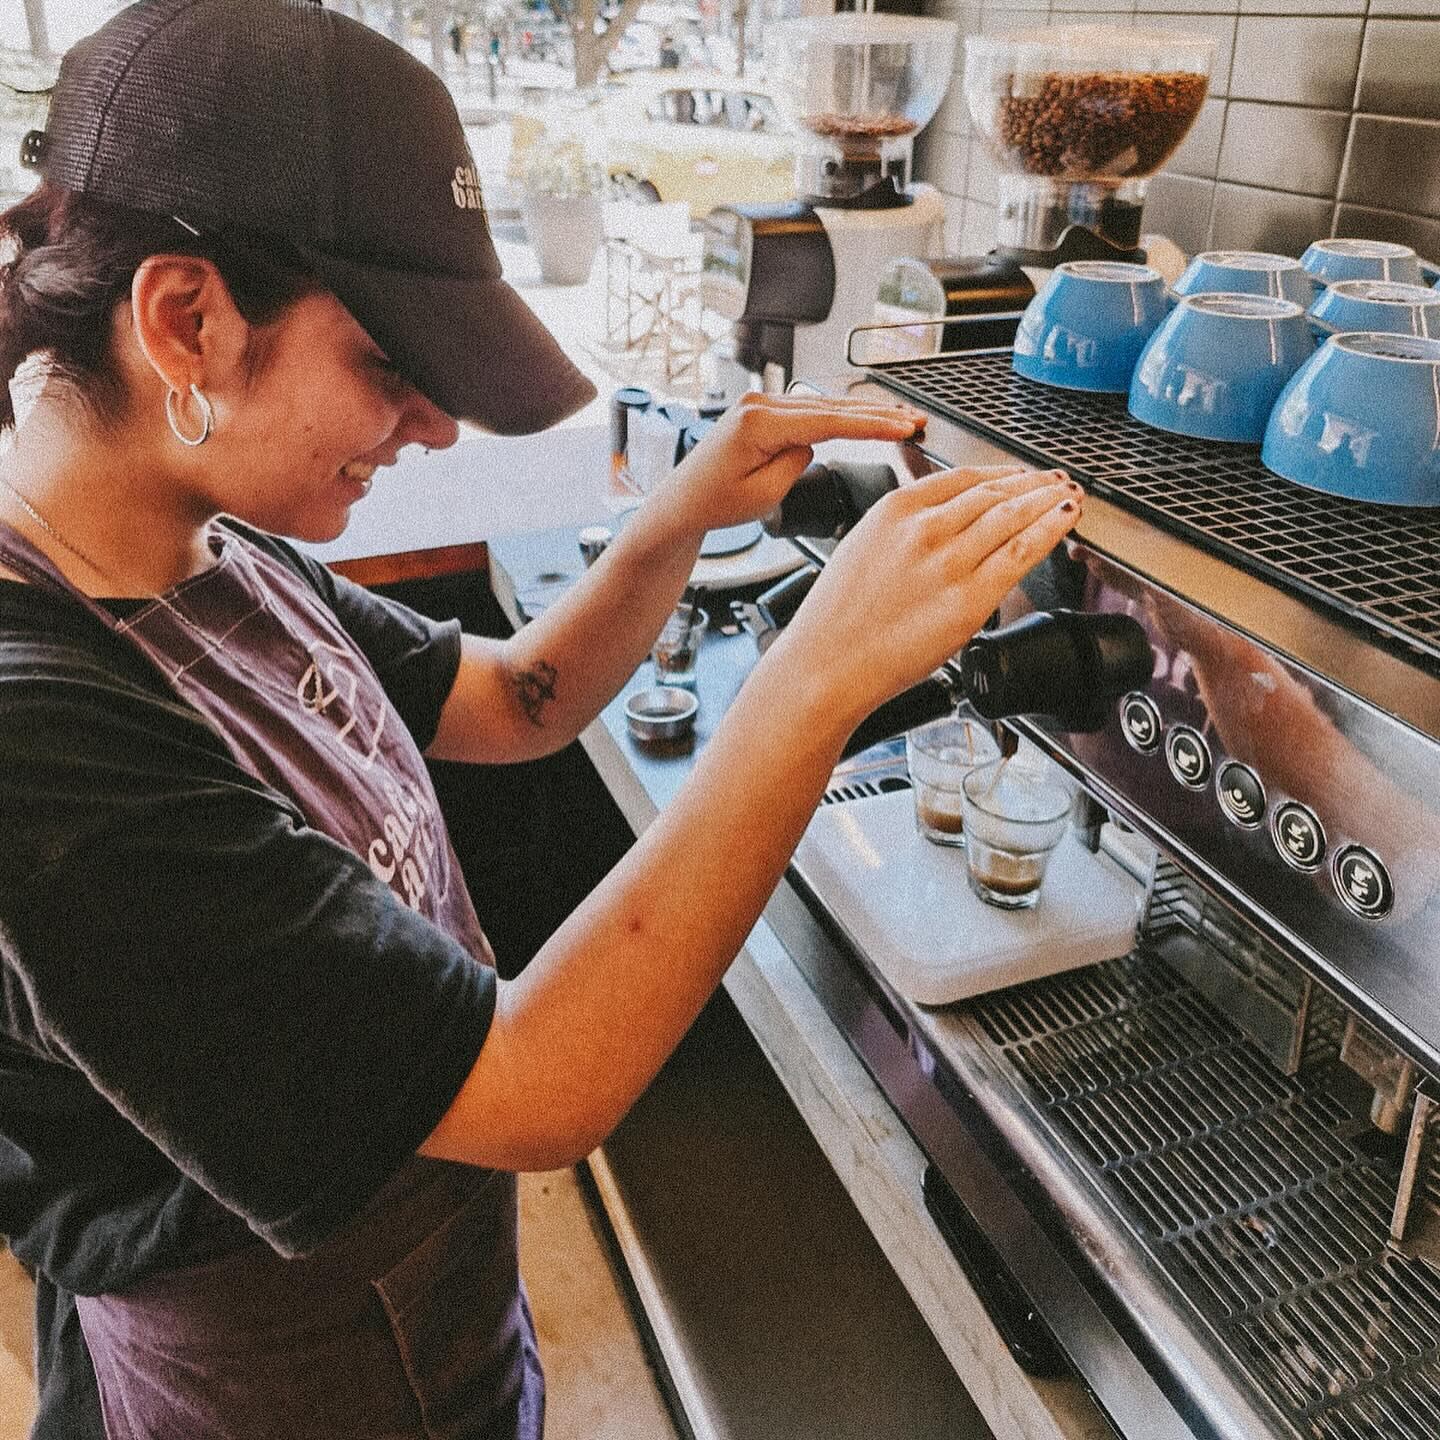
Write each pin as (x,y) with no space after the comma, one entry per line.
(54,534)
(59,539)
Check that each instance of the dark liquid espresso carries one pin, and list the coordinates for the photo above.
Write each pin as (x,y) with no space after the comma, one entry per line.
(1006,884)
(1005,874)
(947,822)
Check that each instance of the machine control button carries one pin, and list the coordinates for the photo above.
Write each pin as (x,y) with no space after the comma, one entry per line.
(1189,757)
(1363,882)
(1298,834)
(1140,720)
(1242,796)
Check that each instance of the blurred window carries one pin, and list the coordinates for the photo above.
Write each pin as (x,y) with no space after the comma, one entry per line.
(737,112)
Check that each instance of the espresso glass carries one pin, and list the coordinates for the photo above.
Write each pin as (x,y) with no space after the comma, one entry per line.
(677,646)
(1014,819)
(940,755)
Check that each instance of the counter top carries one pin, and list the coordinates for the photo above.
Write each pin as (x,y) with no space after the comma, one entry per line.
(862,1137)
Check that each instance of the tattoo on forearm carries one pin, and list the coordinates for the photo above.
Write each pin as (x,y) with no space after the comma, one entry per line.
(535,689)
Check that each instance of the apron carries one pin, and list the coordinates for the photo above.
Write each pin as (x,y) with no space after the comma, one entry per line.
(411,1323)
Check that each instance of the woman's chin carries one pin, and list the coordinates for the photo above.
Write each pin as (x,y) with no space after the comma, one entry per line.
(314,527)
(331,528)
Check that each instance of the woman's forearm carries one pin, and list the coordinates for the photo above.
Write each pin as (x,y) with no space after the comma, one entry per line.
(590,641)
(533,693)
(580,1033)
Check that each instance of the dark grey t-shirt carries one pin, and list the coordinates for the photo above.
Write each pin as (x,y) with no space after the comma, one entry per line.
(169,926)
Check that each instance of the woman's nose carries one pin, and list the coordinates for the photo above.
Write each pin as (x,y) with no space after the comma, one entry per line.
(425,423)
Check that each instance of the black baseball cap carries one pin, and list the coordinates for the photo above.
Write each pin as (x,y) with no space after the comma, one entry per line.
(287,119)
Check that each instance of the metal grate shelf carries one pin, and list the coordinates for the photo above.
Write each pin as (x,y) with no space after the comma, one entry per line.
(1243,1184)
(1376,566)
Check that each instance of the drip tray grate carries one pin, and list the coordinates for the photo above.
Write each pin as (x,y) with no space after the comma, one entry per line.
(1375,565)
(1243,1185)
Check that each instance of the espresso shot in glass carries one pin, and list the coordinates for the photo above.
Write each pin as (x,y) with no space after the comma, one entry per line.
(1014,819)
(675,650)
(940,755)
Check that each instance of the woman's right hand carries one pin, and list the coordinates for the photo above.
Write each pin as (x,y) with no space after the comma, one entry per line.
(591,1019)
(920,574)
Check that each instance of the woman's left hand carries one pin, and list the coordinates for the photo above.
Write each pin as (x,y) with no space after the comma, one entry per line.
(755,454)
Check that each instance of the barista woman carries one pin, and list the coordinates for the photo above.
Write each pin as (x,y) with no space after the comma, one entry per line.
(262,1097)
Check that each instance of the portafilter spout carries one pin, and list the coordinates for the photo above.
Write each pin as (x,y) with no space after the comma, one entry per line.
(1063,664)
(1066,664)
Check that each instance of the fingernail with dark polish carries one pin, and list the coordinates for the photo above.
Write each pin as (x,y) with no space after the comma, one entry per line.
(1068,506)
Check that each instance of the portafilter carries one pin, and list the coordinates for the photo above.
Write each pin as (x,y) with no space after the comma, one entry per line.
(1065,664)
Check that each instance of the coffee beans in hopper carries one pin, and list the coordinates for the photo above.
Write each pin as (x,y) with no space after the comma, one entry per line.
(860,134)
(1077,126)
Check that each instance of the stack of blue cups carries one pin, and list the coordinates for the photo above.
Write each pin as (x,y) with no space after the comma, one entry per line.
(1330,363)
(1361,418)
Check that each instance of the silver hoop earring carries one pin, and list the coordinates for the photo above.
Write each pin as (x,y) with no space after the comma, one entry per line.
(207,417)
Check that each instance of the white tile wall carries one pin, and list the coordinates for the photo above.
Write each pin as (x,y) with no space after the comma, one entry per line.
(1284,151)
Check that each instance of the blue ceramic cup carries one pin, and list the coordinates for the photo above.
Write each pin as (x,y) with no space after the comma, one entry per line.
(1086,327)
(1377,305)
(1332,260)
(1361,418)
(1246,272)
(1215,368)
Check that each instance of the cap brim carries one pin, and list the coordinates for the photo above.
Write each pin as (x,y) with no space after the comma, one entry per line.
(472,346)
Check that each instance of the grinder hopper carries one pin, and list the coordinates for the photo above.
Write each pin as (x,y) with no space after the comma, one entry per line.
(1078,118)
(858,88)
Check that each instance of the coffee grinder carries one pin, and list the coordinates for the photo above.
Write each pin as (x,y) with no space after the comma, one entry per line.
(794,278)
(1076,119)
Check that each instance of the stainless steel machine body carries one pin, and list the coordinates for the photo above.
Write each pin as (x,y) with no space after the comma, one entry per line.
(1201,1177)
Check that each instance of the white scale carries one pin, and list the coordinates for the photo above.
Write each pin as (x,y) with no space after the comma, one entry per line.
(907,905)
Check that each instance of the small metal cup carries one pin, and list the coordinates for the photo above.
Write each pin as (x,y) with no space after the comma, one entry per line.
(662,714)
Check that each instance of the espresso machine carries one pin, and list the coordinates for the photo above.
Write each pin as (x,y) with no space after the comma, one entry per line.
(1200,1175)
(794,278)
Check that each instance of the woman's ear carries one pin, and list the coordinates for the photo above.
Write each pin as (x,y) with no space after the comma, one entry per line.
(185,323)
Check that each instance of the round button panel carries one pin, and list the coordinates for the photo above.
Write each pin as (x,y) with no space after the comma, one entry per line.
(1359,875)
(1242,796)
(1362,882)
(1188,757)
(1298,835)
(1140,720)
